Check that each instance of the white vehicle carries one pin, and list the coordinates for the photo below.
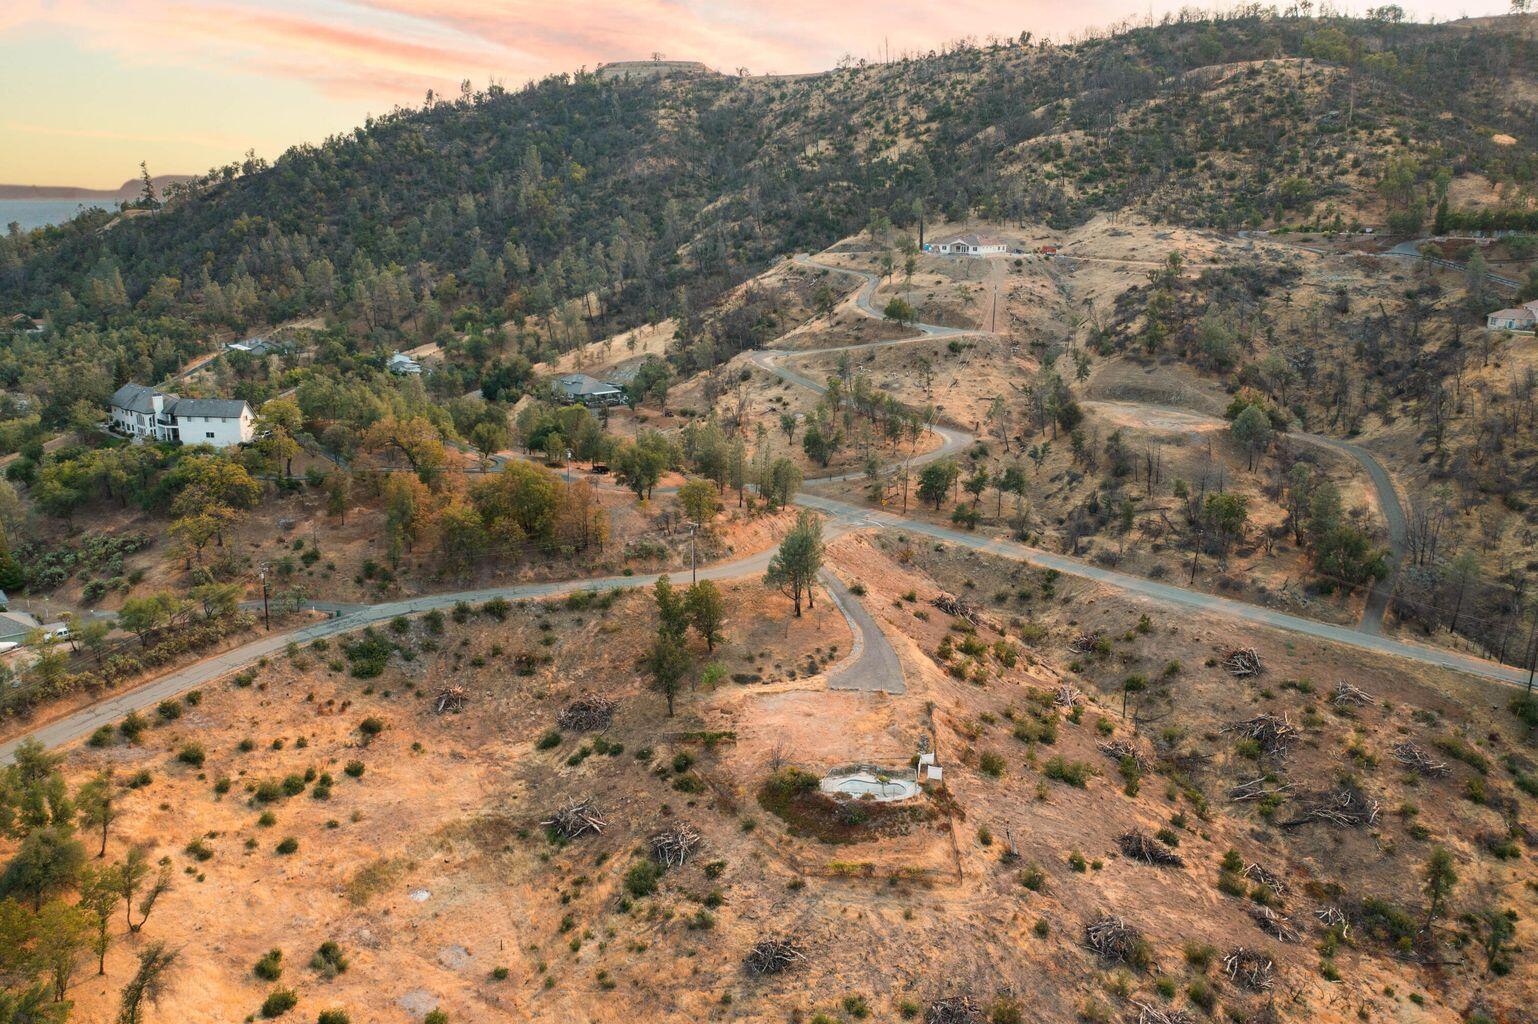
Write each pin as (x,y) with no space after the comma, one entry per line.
(7,646)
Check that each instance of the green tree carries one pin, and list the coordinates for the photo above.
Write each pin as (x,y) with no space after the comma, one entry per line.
(899,310)
(667,663)
(936,480)
(47,861)
(700,501)
(100,891)
(794,566)
(707,611)
(97,811)
(156,964)
(1439,877)
(63,931)
(1252,430)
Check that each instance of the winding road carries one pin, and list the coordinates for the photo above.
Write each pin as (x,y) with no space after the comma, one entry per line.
(869,669)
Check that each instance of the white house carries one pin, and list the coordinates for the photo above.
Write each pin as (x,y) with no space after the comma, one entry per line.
(403,365)
(589,391)
(1518,318)
(140,411)
(967,245)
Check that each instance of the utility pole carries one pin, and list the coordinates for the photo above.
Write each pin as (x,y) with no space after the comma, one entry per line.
(266,612)
(568,467)
(694,576)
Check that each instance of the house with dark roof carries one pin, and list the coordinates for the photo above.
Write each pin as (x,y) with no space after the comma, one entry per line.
(967,245)
(143,412)
(589,391)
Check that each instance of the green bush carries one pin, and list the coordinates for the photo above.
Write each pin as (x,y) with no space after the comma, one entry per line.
(642,878)
(329,960)
(550,739)
(278,1002)
(287,846)
(333,1017)
(354,769)
(1074,773)
(270,966)
(992,763)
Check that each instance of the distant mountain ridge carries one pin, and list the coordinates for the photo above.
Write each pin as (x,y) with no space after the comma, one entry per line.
(130,189)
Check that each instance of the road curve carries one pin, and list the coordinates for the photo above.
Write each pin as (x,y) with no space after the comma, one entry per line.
(1383,484)
(842,517)
(872,665)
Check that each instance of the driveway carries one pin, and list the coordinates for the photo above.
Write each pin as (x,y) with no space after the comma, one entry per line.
(872,665)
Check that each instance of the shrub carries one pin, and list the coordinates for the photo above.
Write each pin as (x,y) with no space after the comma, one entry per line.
(270,966)
(278,1002)
(192,754)
(333,1017)
(370,727)
(132,727)
(102,737)
(354,769)
(642,878)
(436,1017)
(328,960)
(287,846)
(1074,773)
(551,738)
(992,763)
(169,710)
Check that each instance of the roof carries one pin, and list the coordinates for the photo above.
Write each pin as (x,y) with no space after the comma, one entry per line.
(137,398)
(209,408)
(971,239)
(578,384)
(13,624)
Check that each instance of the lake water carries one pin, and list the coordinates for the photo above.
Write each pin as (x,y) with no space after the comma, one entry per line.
(36,213)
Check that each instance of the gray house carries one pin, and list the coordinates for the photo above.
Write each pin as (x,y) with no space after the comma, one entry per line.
(589,391)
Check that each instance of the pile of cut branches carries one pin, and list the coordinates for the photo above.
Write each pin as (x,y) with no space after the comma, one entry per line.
(1416,759)
(1345,806)
(954,1010)
(1117,941)
(1346,695)
(587,714)
(1250,968)
(771,956)
(1143,847)
(1274,924)
(1269,879)
(1256,789)
(1120,750)
(1067,696)
(1149,1014)
(1275,735)
(1332,916)
(673,845)
(450,698)
(576,819)
(1242,662)
(1084,643)
(963,610)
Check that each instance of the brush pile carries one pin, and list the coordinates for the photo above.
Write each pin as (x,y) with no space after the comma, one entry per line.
(1067,696)
(576,819)
(1275,735)
(1084,643)
(587,714)
(771,956)
(1242,662)
(1249,968)
(1346,695)
(1345,806)
(1273,924)
(1257,789)
(1120,750)
(1269,879)
(450,698)
(1117,941)
(673,846)
(955,1010)
(963,610)
(1143,847)
(1333,917)
(1415,759)
(1149,1014)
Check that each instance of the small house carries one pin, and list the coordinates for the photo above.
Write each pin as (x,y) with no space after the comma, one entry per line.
(575,388)
(967,245)
(403,365)
(1518,318)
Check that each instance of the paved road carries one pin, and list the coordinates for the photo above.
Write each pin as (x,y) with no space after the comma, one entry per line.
(1169,597)
(1388,496)
(872,665)
(842,517)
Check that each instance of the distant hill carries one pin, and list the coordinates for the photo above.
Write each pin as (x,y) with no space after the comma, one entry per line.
(130,189)
(648,189)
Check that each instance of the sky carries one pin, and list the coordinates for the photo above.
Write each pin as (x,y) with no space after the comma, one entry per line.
(89,88)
